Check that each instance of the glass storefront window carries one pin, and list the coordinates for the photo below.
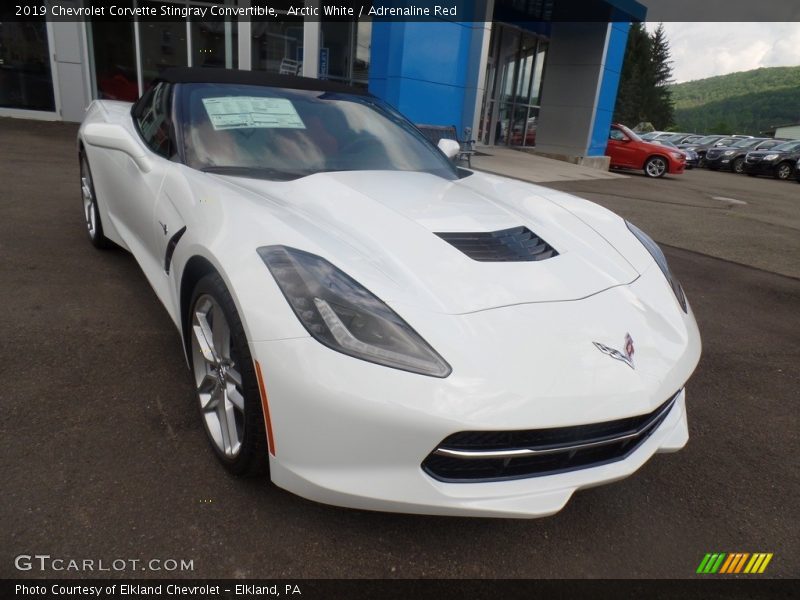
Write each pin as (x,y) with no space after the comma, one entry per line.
(363,51)
(337,40)
(114,58)
(277,46)
(25,78)
(214,44)
(536,86)
(345,51)
(162,45)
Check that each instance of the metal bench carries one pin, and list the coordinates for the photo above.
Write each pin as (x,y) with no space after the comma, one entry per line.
(434,133)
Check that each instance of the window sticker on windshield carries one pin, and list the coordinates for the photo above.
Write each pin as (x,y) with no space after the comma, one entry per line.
(245,112)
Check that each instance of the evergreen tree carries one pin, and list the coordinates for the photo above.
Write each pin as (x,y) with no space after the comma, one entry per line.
(662,111)
(644,94)
(630,98)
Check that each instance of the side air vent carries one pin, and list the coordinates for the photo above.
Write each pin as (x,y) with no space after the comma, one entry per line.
(509,245)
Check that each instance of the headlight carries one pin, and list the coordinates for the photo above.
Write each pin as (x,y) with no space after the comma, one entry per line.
(661,260)
(729,153)
(340,313)
(771,156)
(692,148)
(676,155)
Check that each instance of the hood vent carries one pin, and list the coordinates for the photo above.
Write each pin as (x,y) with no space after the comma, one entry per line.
(509,245)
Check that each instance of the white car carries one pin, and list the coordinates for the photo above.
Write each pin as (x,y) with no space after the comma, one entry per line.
(374,326)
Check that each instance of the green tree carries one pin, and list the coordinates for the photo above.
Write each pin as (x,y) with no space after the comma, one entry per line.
(635,71)
(661,108)
(644,94)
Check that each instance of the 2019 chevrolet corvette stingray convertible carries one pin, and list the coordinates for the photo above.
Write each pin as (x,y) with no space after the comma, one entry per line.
(373,325)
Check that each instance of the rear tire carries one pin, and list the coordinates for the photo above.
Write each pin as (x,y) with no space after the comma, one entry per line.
(655,166)
(91,212)
(227,388)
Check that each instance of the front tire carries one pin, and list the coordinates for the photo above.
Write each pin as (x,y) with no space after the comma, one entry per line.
(784,171)
(91,213)
(738,166)
(227,387)
(655,166)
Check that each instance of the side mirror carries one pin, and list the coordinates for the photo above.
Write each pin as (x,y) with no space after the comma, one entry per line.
(450,148)
(116,137)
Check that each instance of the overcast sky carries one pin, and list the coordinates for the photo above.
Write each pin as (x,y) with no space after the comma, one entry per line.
(706,49)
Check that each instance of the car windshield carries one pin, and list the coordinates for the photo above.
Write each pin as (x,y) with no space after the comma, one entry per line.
(693,139)
(787,147)
(628,132)
(710,139)
(283,134)
(747,143)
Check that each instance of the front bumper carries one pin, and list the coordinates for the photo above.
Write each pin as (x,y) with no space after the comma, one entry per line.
(676,167)
(760,168)
(720,163)
(355,434)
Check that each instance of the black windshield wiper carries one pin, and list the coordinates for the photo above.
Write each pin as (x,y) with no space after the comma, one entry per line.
(257,172)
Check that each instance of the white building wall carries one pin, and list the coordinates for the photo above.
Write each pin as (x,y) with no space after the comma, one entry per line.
(791,132)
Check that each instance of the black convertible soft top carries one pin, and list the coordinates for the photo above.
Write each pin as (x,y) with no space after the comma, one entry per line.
(236,76)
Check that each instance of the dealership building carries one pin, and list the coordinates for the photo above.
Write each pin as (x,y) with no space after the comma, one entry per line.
(515,72)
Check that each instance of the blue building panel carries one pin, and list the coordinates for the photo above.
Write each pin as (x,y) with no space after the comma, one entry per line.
(609,85)
(429,102)
(424,69)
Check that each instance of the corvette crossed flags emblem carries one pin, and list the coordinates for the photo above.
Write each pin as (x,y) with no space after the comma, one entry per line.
(626,356)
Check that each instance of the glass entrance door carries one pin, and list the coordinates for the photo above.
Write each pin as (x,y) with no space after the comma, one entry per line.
(514,79)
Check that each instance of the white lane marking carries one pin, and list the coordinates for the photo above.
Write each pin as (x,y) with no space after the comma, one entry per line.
(731,200)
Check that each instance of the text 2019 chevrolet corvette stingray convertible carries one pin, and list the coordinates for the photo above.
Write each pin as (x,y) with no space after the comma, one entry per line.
(373,325)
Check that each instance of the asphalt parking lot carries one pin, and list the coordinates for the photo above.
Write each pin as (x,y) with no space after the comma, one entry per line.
(102,453)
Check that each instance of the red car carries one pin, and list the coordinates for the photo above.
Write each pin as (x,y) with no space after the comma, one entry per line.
(628,151)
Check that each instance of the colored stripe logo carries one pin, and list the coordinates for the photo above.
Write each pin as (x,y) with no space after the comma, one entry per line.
(734,562)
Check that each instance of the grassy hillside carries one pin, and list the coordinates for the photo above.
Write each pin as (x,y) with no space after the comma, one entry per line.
(745,102)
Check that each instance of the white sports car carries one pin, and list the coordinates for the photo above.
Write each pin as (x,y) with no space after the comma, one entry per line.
(373,325)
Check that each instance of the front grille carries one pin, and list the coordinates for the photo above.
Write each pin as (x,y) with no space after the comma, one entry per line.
(713,154)
(753,159)
(480,456)
(508,245)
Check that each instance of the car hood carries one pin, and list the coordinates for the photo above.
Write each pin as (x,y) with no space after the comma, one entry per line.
(380,228)
(763,153)
(653,147)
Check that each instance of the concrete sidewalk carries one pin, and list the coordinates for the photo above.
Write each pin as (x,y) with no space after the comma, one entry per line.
(530,167)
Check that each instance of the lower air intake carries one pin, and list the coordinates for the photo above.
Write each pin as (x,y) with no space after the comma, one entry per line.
(480,456)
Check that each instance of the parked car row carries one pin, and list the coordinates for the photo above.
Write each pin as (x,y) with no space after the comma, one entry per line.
(750,155)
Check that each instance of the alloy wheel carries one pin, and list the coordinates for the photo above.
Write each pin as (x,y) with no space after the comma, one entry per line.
(218,380)
(656,167)
(784,171)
